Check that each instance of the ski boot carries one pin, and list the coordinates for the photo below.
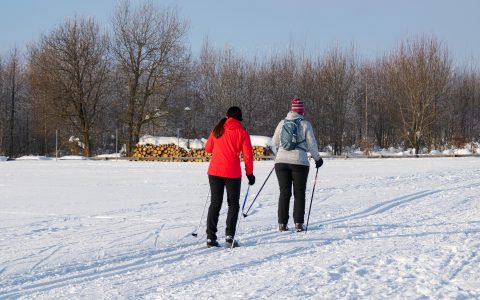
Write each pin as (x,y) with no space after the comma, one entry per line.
(228,242)
(299,227)
(282,227)
(212,243)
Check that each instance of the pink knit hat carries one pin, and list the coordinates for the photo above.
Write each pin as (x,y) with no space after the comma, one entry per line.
(297,106)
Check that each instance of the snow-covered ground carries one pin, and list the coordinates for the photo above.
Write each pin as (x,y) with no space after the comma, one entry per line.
(393,228)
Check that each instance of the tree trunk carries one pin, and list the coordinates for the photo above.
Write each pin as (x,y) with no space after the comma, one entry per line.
(12,108)
(88,147)
(130,118)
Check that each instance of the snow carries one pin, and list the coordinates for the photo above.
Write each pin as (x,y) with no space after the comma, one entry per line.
(380,228)
(180,142)
(72,157)
(257,140)
(156,140)
(261,141)
(33,157)
(458,152)
(77,140)
(3,158)
(393,152)
(113,155)
(469,149)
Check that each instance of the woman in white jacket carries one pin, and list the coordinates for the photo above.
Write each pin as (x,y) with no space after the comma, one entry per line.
(293,138)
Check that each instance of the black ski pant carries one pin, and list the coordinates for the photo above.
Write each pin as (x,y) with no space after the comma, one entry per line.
(287,175)
(217,187)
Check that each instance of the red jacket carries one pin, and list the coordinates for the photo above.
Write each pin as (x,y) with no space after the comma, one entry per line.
(226,150)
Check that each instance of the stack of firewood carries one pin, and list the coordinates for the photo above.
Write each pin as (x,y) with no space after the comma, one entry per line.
(169,151)
(260,153)
(148,151)
(163,152)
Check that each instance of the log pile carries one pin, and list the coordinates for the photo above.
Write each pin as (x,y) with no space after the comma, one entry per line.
(260,152)
(171,152)
(163,152)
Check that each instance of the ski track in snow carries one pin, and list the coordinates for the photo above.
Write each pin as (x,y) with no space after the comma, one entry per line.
(392,229)
(42,260)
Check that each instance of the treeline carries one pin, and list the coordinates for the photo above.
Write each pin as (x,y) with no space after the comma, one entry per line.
(140,78)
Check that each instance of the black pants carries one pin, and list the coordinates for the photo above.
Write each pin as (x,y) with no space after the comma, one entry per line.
(217,186)
(288,174)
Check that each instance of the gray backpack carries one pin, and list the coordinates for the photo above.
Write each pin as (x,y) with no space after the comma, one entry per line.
(289,139)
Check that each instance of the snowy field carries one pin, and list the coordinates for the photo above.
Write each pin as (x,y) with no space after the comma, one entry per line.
(381,229)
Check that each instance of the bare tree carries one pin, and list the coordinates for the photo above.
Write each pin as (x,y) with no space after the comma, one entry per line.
(338,71)
(12,104)
(203,84)
(462,110)
(13,72)
(69,67)
(149,48)
(311,89)
(375,108)
(251,95)
(419,71)
(280,85)
(3,108)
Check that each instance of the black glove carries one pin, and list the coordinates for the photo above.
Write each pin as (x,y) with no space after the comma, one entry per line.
(251,179)
(319,163)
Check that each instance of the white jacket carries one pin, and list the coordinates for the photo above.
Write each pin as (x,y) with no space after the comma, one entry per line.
(297,156)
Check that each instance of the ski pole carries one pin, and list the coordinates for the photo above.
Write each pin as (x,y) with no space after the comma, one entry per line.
(245,200)
(246,214)
(236,230)
(311,200)
(195,233)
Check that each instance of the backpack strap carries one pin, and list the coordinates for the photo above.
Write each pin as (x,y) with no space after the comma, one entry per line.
(297,122)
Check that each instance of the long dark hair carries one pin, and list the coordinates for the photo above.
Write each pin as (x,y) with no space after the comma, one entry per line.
(233,112)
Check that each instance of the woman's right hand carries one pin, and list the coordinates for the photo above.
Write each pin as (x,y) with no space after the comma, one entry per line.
(251,179)
(319,163)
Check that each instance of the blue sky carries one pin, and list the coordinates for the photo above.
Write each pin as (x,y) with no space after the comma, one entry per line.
(261,26)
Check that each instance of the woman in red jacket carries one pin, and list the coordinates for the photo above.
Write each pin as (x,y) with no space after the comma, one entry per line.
(226,141)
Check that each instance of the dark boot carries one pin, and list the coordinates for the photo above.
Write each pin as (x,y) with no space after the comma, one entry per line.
(212,243)
(228,242)
(282,227)
(299,227)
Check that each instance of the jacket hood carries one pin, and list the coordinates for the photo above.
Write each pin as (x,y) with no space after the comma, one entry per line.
(293,115)
(231,124)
